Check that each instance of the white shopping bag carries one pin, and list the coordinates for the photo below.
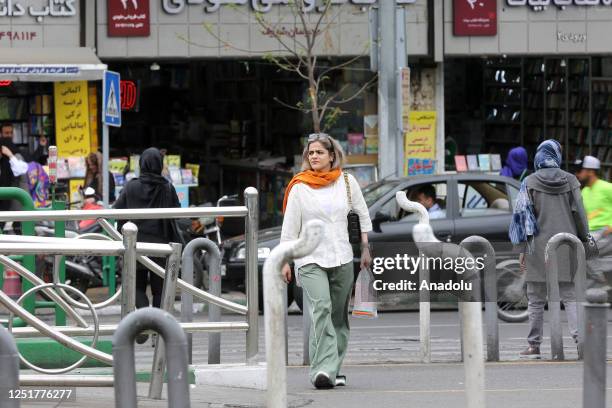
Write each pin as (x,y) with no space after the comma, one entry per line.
(365,305)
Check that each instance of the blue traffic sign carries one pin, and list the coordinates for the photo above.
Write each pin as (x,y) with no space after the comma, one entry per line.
(111,102)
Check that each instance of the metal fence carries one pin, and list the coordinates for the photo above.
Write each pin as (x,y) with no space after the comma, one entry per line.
(125,244)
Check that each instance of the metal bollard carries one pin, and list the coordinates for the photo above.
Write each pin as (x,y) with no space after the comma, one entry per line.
(552,283)
(214,311)
(128,274)
(274,311)
(124,369)
(9,374)
(421,233)
(173,267)
(595,336)
(477,243)
(470,312)
(251,198)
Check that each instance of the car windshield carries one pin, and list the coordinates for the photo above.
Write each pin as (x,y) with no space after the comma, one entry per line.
(373,192)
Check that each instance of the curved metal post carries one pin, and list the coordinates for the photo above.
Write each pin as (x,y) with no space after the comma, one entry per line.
(482,245)
(173,267)
(9,374)
(251,199)
(420,233)
(150,318)
(552,283)
(214,311)
(128,274)
(595,339)
(469,310)
(274,311)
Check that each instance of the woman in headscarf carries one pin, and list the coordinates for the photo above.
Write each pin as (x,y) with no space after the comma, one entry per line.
(93,176)
(516,164)
(549,202)
(322,191)
(150,190)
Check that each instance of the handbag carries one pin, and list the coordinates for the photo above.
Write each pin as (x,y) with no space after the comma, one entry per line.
(354,227)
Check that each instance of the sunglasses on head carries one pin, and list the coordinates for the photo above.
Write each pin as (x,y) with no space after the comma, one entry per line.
(317,136)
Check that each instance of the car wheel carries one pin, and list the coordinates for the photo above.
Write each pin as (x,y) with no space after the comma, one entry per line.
(511,292)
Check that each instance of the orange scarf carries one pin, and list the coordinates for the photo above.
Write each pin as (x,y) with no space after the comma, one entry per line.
(313,178)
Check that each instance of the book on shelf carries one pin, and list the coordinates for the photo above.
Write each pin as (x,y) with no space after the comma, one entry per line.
(76,167)
(484,162)
(175,175)
(472,161)
(356,143)
(496,163)
(460,163)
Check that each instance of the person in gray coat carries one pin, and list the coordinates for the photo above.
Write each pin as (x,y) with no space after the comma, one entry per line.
(548,203)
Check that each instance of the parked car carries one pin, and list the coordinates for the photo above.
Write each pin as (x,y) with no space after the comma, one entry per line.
(471,204)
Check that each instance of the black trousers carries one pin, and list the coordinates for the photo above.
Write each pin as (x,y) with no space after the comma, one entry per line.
(144,277)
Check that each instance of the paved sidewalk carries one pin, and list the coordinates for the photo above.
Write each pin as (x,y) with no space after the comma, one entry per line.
(508,385)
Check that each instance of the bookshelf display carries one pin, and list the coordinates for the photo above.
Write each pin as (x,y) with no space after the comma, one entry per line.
(602,123)
(30,115)
(528,100)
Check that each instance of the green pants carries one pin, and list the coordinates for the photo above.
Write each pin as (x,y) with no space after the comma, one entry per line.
(328,292)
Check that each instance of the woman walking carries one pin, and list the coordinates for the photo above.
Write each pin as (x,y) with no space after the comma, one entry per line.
(549,202)
(321,191)
(150,190)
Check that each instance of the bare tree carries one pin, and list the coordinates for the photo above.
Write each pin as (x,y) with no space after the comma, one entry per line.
(298,54)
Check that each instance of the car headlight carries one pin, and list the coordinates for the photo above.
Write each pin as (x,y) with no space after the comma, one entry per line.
(262,253)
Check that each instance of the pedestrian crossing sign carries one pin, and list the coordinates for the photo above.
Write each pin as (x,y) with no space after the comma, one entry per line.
(111,103)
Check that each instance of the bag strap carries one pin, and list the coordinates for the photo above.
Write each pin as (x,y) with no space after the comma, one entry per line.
(348,190)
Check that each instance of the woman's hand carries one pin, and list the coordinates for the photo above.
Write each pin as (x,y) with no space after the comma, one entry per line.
(366,258)
(286,273)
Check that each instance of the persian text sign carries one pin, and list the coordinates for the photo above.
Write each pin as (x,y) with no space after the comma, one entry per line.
(263,6)
(541,4)
(475,17)
(128,18)
(51,8)
(71,118)
(421,136)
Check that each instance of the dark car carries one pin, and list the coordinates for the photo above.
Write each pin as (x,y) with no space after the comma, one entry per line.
(469,204)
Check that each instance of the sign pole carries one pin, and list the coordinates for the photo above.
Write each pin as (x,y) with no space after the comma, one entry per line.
(111,108)
(105,159)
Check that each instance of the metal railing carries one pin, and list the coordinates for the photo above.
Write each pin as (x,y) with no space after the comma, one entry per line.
(125,244)
(595,331)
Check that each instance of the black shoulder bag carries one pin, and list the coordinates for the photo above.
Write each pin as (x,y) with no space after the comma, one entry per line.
(354,227)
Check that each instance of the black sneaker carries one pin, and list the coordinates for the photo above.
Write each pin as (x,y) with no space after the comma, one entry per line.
(531,352)
(322,381)
(340,380)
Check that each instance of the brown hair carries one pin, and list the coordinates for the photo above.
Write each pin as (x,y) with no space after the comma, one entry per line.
(329,143)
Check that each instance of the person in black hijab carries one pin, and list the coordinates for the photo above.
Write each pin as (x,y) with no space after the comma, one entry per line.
(150,190)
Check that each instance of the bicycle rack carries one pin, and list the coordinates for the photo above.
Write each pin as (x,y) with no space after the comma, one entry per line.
(9,374)
(175,349)
(552,283)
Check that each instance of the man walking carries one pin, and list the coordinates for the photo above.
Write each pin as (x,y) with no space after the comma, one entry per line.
(597,198)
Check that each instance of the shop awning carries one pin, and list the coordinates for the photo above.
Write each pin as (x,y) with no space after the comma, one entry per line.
(50,64)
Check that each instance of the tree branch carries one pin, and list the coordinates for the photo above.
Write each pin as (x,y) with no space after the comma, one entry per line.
(286,105)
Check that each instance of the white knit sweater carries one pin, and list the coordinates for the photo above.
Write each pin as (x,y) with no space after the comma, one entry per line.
(330,205)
